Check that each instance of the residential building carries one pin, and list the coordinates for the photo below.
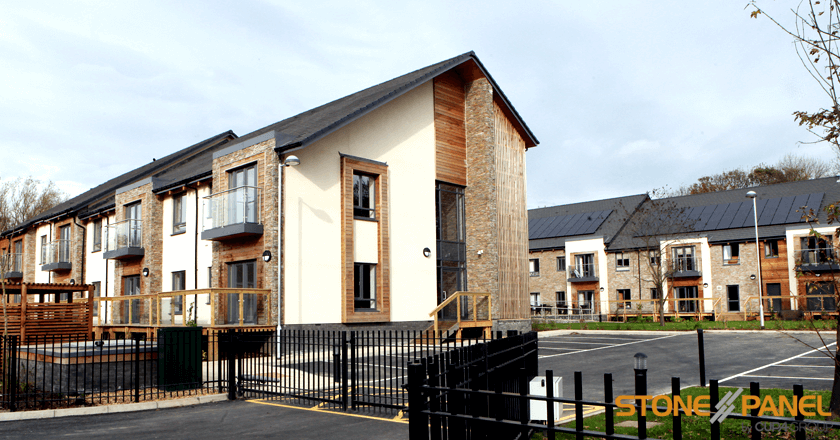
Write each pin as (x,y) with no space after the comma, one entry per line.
(371,210)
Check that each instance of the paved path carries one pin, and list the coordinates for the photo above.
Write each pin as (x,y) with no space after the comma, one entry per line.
(222,421)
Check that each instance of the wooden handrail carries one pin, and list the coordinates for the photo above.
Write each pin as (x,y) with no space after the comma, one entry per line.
(460,294)
(749,299)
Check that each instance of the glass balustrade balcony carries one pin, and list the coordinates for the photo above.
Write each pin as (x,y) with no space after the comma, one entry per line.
(124,240)
(57,256)
(231,214)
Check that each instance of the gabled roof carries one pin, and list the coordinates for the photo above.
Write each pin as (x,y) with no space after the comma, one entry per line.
(312,125)
(102,196)
(556,224)
(727,216)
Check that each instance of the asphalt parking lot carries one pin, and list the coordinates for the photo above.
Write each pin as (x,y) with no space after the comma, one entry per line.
(773,359)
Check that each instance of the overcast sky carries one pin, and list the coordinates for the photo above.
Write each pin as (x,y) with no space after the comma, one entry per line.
(623,96)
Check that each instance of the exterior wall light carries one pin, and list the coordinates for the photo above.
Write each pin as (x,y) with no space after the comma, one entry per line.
(752,277)
(291,161)
(427,252)
(145,271)
(602,289)
(266,256)
(72,282)
(705,285)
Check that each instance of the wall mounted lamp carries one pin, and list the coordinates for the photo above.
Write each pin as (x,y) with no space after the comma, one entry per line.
(266,256)
(752,277)
(72,282)
(291,161)
(705,285)
(427,252)
(145,271)
(602,289)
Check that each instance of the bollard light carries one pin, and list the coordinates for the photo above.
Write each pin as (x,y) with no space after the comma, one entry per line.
(640,361)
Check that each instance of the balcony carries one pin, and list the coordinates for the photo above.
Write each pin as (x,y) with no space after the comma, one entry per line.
(56,256)
(12,264)
(818,260)
(232,214)
(124,240)
(582,272)
(685,267)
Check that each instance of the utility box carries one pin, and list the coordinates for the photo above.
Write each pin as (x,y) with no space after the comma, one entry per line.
(539,408)
(179,358)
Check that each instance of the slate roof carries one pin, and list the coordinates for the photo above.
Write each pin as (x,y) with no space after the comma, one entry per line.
(620,209)
(825,191)
(102,196)
(307,127)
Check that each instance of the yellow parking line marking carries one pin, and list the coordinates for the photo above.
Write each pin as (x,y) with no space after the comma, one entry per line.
(328,412)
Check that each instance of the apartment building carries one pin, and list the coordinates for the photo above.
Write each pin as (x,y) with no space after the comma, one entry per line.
(705,248)
(371,210)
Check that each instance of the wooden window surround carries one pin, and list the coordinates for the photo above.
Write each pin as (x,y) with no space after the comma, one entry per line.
(349,166)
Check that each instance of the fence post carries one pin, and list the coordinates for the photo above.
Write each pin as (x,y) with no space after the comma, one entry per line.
(578,405)
(353,369)
(136,368)
(231,364)
(344,370)
(702,351)
(800,429)
(608,398)
(677,420)
(714,398)
(755,390)
(13,379)
(524,417)
(455,403)
(549,394)
(418,424)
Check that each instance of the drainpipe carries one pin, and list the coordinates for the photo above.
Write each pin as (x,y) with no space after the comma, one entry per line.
(105,292)
(195,255)
(49,272)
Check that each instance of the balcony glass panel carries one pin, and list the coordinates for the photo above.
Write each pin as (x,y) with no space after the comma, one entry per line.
(124,234)
(234,206)
(58,251)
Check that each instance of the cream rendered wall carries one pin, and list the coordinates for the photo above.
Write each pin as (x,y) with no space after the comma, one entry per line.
(400,133)
(179,253)
(40,275)
(589,245)
(95,267)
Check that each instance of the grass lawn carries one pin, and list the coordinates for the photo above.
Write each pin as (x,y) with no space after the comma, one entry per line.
(688,325)
(698,427)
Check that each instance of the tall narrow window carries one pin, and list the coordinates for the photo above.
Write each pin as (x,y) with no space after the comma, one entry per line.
(131,235)
(44,249)
(452,245)
(64,244)
(178,283)
(17,263)
(242,274)
(97,236)
(364,188)
(561,264)
(733,298)
(132,310)
(243,196)
(179,214)
(364,294)
(97,292)
(535,299)
(654,257)
(209,282)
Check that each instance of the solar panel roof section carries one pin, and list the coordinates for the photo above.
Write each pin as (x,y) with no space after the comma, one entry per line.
(814,202)
(539,226)
(555,229)
(729,215)
(570,225)
(580,222)
(533,226)
(769,211)
(717,214)
(744,211)
(782,211)
(794,216)
(750,221)
(705,215)
(602,217)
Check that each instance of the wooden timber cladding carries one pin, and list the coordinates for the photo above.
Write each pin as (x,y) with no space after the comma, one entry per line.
(33,318)
(450,136)
(512,219)
(383,273)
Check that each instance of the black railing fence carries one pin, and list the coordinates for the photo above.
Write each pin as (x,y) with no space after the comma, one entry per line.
(462,410)
(65,371)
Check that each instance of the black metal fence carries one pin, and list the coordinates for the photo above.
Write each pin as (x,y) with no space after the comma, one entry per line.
(66,371)
(459,410)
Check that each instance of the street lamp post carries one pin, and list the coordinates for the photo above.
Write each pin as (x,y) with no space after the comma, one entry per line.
(751,194)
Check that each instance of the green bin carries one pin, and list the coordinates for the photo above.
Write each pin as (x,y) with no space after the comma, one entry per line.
(179,358)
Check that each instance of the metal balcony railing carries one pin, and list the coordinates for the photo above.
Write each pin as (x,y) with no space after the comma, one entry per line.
(11,265)
(124,234)
(816,256)
(231,207)
(58,251)
(685,264)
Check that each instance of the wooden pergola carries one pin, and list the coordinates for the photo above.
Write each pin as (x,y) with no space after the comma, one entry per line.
(40,309)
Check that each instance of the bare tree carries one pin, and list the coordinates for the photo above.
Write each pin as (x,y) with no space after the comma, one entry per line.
(22,199)
(657,224)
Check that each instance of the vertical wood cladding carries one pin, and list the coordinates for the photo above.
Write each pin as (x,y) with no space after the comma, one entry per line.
(775,270)
(383,272)
(450,136)
(512,219)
